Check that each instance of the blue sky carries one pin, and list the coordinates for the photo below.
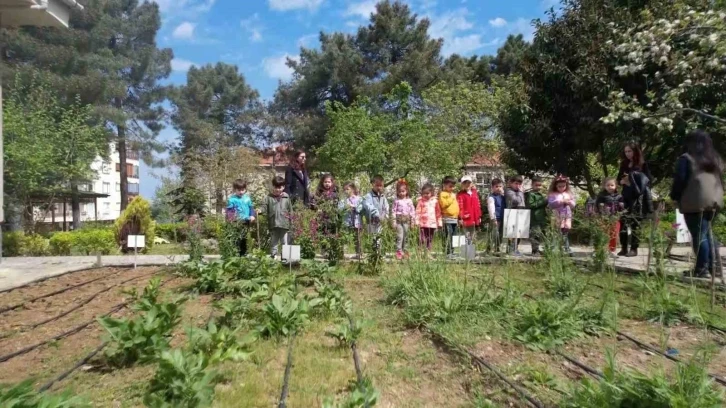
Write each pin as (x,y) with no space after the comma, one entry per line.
(258,35)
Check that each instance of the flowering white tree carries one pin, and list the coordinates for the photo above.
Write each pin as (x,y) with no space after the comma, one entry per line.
(676,57)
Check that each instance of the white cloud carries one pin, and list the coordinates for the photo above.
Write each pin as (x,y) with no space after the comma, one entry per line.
(184,31)
(466,44)
(524,27)
(547,4)
(447,25)
(253,27)
(181,65)
(287,5)
(306,40)
(276,67)
(498,22)
(363,9)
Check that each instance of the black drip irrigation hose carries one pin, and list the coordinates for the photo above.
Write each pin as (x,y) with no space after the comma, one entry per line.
(593,372)
(288,371)
(79,364)
(57,292)
(67,333)
(483,363)
(656,351)
(88,300)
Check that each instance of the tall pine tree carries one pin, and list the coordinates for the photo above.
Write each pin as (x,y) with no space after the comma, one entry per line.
(109,59)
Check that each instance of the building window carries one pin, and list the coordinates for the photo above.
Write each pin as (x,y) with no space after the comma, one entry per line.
(118,187)
(133,188)
(106,168)
(106,207)
(106,188)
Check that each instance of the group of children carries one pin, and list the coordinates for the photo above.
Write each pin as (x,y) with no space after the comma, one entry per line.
(448,211)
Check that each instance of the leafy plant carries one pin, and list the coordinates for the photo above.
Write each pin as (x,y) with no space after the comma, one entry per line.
(218,343)
(345,333)
(234,309)
(23,395)
(182,380)
(283,315)
(662,306)
(545,324)
(689,387)
(143,337)
(211,278)
(332,300)
(363,395)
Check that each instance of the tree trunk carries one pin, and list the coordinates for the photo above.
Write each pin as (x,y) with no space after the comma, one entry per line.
(124,177)
(75,206)
(588,179)
(219,200)
(603,160)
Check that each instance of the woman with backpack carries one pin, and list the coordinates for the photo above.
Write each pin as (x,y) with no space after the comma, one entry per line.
(698,190)
(635,178)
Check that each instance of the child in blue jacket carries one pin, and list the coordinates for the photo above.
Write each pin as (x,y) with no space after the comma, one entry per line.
(240,208)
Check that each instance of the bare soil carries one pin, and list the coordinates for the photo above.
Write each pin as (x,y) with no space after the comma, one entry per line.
(48,360)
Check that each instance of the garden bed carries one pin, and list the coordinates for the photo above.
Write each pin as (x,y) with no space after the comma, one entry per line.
(412,348)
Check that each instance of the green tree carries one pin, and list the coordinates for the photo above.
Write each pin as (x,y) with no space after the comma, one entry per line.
(552,122)
(394,47)
(509,56)
(110,60)
(462,117)
(396,141)
(216,113)
(49,147)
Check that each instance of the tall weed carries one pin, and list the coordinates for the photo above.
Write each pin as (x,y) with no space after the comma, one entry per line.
(689,387)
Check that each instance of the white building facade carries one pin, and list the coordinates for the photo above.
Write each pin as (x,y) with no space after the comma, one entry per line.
(104,191)
(108,181)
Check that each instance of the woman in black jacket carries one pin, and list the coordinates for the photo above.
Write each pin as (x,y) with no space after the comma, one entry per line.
(297,179)
(698,190)
(635,178)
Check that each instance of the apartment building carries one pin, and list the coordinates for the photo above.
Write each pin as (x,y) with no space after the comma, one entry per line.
(101,196)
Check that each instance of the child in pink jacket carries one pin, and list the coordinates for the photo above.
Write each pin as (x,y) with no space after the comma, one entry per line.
(562,201)
(428,215)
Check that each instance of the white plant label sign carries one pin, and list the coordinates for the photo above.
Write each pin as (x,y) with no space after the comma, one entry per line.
(458,241)
(468,252)
(682,234)
(516,223)
(291,253)
(136,241)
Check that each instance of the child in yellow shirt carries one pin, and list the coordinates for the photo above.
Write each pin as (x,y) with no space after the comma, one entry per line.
(449,213)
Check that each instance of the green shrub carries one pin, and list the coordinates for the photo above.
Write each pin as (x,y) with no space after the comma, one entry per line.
(135,220)
(92,242)
(34,245)
(61,243)
(12,243)
(212,227)
(174,232)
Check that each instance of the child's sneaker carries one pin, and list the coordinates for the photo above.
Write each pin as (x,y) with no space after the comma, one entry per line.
(399,255)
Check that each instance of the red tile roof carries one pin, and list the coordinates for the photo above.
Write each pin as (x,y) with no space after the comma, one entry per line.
(492,160)
(278,155)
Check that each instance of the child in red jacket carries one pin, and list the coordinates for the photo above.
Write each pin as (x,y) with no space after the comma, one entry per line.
(469,209)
